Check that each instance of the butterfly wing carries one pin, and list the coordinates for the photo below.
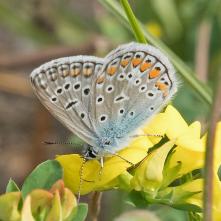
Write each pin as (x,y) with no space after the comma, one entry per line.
(135,82)
(64,87)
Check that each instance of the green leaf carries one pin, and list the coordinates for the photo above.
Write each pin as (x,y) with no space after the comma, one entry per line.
(219,172)
(133,22)
(80,214)
(42,177)
(12,186)
(137,199)
(188,207)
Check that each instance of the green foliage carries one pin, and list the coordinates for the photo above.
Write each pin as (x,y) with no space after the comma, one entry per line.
(187,74)
(42,177)
(12,186)
(81,215)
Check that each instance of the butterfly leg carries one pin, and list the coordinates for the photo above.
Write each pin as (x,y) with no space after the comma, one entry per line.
(81,178)
(147,135)
(101,168)
(117,155)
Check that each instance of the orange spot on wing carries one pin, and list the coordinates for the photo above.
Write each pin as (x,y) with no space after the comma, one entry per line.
(136,61)
(87,72)
(154,73)
(124,62)
(111,70)
(165,94)
(100,80)
(161,86)
(75,72)
(144,66)
(65,73)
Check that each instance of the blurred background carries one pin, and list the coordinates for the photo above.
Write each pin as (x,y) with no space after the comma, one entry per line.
(35,31)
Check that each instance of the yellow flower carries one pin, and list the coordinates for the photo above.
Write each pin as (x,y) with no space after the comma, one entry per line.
(149,175)
(190,147)
(113,167)
(167,162)
(154,28)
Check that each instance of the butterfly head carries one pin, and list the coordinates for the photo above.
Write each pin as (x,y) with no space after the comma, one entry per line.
(90,153)
(97,152)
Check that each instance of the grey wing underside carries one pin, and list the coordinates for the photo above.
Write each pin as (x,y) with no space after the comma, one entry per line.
(135,82)
(64,87)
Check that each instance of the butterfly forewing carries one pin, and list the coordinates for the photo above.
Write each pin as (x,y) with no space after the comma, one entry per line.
(64,87)
(136,81)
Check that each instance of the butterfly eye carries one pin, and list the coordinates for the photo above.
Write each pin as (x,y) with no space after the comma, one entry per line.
(107,142)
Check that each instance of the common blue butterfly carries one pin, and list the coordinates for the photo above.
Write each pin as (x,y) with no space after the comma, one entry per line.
(104,100)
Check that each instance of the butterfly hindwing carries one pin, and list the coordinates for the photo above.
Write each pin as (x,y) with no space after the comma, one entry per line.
(135,82)
(64,87)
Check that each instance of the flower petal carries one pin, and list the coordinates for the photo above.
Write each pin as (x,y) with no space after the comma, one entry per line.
(149,175)
(26,213)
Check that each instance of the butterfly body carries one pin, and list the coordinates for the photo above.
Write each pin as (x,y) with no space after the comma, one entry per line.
(104,101)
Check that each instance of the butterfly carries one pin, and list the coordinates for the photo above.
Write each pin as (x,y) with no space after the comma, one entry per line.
(105,100)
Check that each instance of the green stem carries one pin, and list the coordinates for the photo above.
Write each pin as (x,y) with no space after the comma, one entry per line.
(187,74)
(133,22)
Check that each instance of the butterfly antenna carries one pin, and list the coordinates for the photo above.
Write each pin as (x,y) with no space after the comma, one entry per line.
(147,135)
(57,142)
(81,178)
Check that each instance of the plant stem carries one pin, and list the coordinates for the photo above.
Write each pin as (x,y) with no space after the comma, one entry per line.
(95,205)
(133,22)
(209,157)
(187,74)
